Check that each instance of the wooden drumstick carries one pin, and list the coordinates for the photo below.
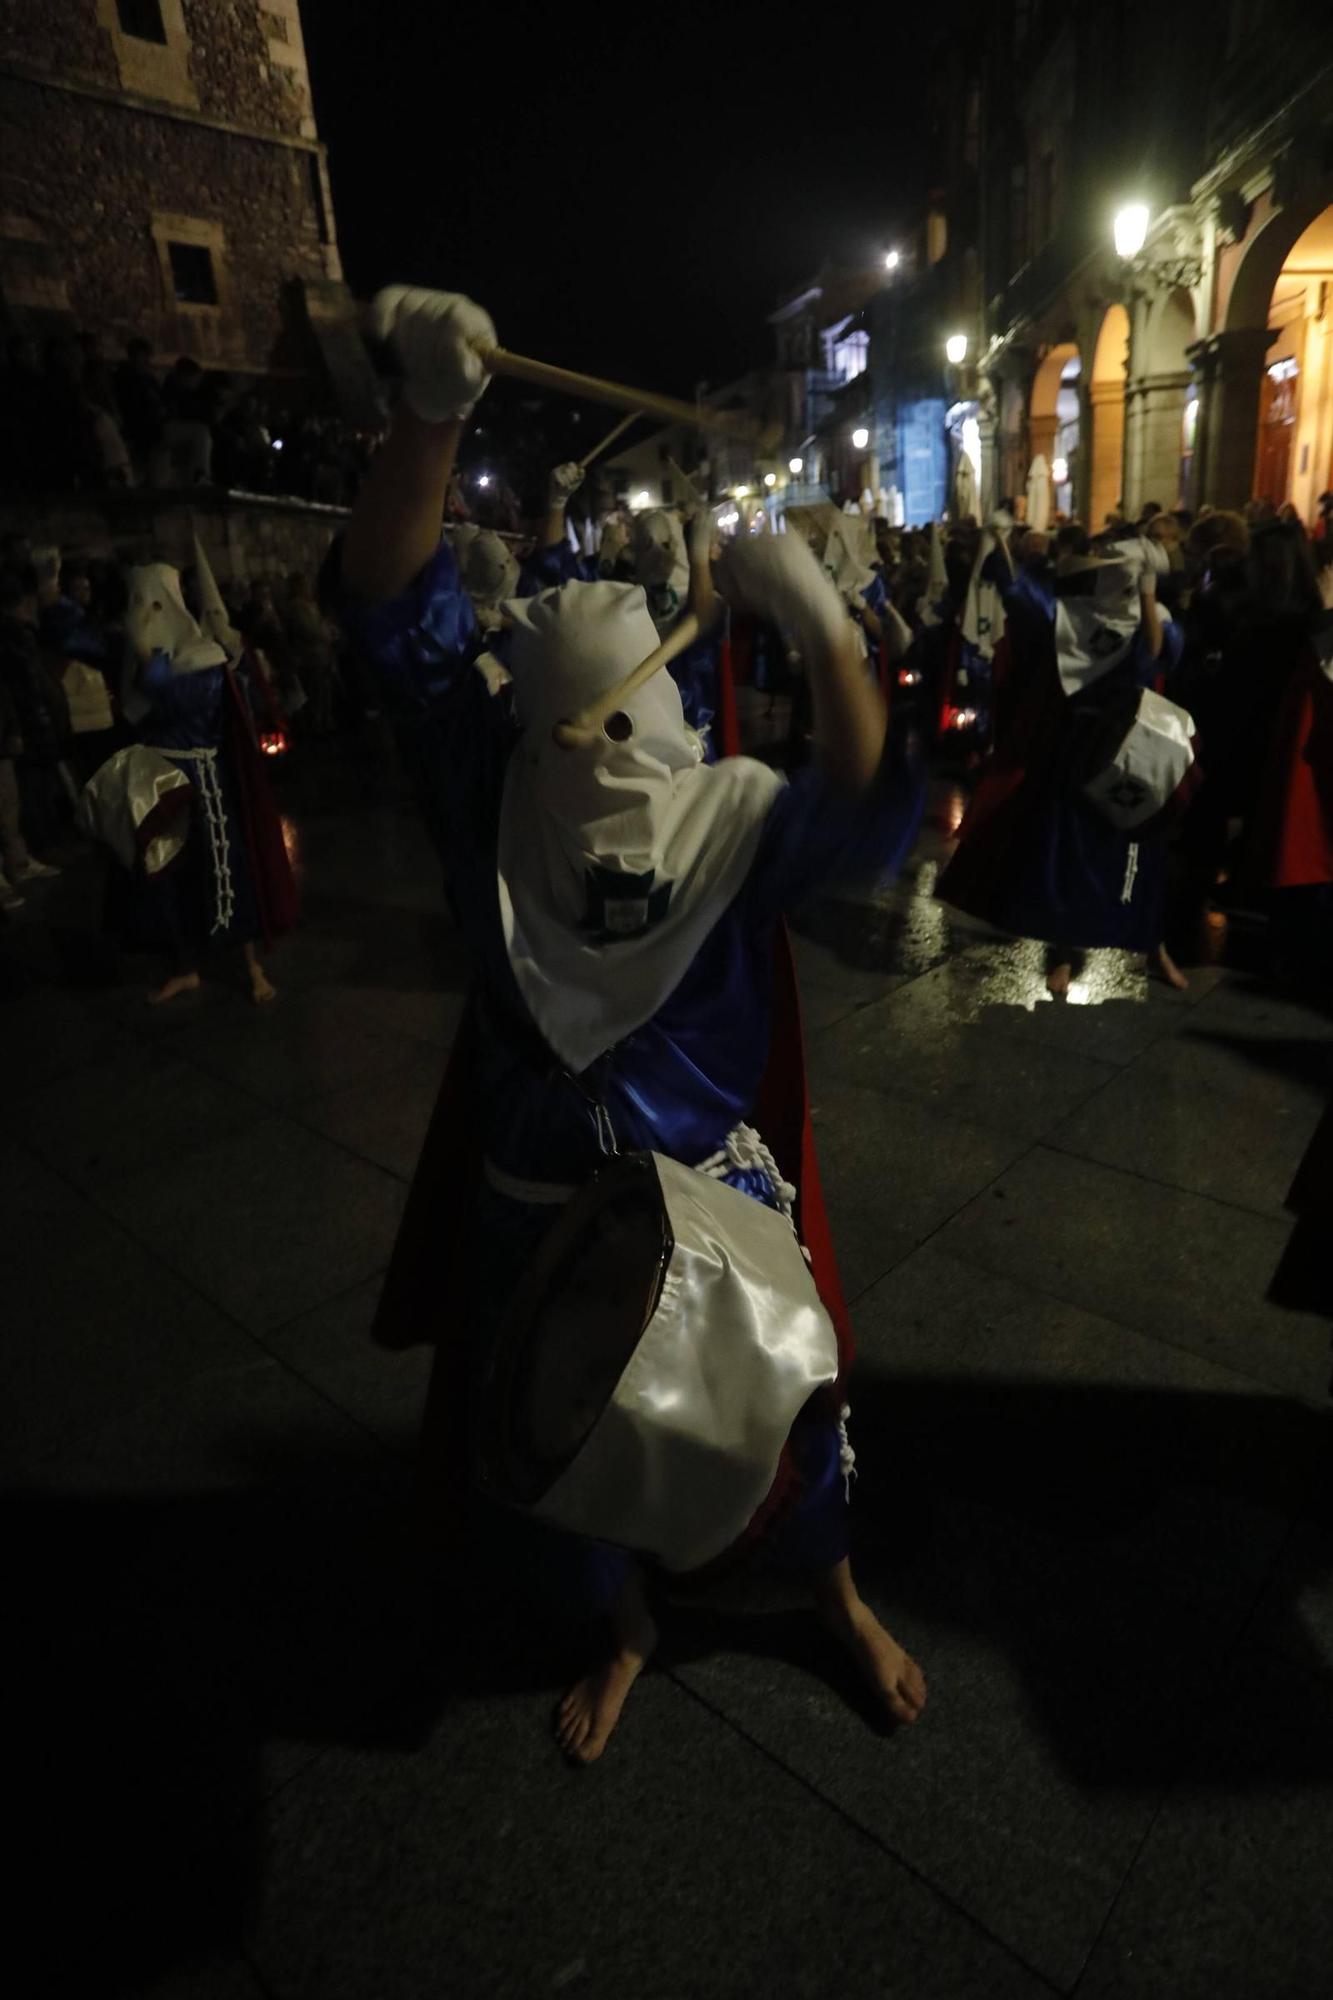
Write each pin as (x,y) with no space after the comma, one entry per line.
(609,439)
(733,423)
(583,729)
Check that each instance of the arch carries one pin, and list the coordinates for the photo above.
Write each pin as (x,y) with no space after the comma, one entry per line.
(1263,254)
(1043,400)
(1046,383)
(1294,433)
(1106,408)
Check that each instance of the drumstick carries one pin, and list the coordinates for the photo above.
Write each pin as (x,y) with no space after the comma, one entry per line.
(582,730)
(735,423)
(609,439)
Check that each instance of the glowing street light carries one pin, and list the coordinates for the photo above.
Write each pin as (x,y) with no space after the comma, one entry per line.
(860,437)
(770,479)
(891,260)
(796,465)
(1060,471)
(742,492)
(483,479)
(955,349)
(1131,229)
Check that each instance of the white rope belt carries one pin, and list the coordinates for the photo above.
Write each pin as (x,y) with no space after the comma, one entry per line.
(1131,872)
(744,1152)
(205,763)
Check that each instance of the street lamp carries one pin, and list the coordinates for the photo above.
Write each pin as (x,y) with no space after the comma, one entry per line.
(955,349)
(860,437)
(770,479)
(891,260)
(796,466)
(1060,471)
(483,479)
(1131,229)
(742,492)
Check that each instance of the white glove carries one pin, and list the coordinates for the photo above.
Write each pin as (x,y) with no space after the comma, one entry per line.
(778,576)
(564,483)
(432,334)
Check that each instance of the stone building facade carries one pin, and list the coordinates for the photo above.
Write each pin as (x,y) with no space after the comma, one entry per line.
(1196,369)
(162,175)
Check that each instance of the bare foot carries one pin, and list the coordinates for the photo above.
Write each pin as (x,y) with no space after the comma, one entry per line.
(590,1711)
(893,1674)
(1057,980)
(183,982)
(1165,967)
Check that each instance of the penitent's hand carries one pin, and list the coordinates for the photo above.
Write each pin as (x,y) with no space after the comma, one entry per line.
(434,335)
(564,483)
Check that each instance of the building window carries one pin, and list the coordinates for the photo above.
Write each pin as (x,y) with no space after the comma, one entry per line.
(846,353)
(192,275)
(143,20)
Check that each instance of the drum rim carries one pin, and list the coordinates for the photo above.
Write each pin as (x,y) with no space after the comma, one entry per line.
(499,1471)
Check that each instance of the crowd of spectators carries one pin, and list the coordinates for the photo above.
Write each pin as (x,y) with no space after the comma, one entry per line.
(71,422)
(65,675)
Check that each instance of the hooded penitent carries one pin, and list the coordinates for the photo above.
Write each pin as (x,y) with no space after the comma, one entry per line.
(487,569)
(1097,609)
(214,617)
(158,622)
(661,564)
(615,860)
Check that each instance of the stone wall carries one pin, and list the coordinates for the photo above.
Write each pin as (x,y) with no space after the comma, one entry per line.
(244,58)
(93,177)
(243,538)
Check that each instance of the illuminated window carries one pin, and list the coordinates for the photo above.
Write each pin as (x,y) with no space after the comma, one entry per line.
(846,354)
(143,20)
(192,278)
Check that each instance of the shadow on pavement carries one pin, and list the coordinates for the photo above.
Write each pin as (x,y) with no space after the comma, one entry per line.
(179,1657)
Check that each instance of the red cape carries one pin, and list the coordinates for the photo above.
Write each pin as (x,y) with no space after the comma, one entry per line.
(1290,840)
(275,886)
(432,1242)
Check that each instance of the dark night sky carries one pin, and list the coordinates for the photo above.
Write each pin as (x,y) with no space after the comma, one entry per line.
(630,199)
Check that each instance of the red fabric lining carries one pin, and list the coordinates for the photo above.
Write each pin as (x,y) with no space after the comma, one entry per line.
(1290,842)
(275,886)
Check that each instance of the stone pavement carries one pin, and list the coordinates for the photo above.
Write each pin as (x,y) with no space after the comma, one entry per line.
(264,1759)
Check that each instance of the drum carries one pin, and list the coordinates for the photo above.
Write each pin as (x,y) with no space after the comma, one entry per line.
(1143,765)
(139,803)
(652,1363)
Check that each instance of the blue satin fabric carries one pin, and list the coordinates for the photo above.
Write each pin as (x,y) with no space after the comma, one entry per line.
(695,673)
(187,708)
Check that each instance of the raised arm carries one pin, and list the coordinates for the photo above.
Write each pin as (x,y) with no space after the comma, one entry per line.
(777,575)
(396,523)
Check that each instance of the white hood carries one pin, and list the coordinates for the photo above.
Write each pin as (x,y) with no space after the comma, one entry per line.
(157,621)
(615,861)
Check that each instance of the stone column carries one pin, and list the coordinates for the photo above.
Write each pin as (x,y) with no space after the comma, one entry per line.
(1154,438)
(1105,456)
(1228,371)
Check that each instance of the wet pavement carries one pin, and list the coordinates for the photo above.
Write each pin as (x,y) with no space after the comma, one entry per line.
(1093,1497)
